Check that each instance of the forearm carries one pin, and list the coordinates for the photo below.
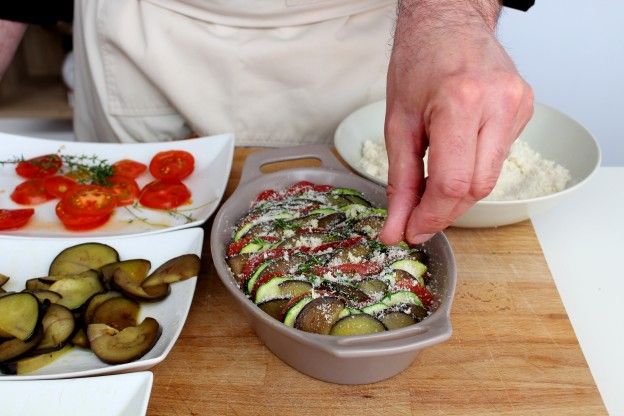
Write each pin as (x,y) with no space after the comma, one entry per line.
(10,35)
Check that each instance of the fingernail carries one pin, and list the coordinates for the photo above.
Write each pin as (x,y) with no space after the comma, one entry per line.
(420,238)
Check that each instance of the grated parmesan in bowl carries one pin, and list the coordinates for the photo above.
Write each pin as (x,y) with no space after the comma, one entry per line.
(525,173)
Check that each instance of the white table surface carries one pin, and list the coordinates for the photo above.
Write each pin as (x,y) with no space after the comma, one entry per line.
(583,242)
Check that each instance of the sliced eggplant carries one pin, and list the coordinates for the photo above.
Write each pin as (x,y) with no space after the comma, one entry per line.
(117,312)
(19,315)
(331,220)
(274,307)
(356,199)
(396,319)
(401,297)
(13,348)
(118,347)
(75,292)
(95,301)
(237,263)
(37,284)
(137,269)
(417,312)
(82,257)
(58,326)
(353,254)
(358,324)
(31,364)
(44,295)
(174,270)
(292,288)
(320,315)
(55,278)
(373,287)
(80,339)
(293,308)
(130,286)
(369,226)
(347,292)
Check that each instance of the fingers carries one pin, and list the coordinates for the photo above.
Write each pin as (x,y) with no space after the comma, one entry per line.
(452,148)
(405,176)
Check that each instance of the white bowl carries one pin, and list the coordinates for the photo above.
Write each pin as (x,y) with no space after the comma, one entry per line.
(28,257)
(553,134)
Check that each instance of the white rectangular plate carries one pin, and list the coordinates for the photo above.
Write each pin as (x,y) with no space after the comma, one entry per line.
(213,161)
(120,395)
(25,258)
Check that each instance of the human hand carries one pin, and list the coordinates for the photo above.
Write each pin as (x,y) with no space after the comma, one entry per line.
(452,88)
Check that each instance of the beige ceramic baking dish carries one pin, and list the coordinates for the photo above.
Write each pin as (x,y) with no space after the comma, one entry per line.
(344,360)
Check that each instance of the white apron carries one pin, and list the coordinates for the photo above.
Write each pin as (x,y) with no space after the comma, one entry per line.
(274,72)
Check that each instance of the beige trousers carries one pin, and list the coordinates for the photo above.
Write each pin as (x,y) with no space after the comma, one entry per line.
(274,72)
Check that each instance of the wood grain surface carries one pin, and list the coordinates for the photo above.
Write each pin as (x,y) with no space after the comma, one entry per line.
(513,350)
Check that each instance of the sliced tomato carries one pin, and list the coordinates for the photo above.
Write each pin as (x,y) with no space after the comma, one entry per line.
(12,219)
(164,194)
(366,268)
(58,186)
(413,286)
(79,222)
(322,188)
(172,165)
(266,195)
(128,168)
(31,192)
(236,246)
(39,167)
(299,188)
(89,200)
(125,189)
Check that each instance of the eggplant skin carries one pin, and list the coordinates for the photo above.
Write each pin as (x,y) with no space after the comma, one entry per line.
(119,347)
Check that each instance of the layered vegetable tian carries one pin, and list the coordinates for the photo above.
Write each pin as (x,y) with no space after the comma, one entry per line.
(309,257)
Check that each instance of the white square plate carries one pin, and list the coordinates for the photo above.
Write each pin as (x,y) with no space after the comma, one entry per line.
(213,161)
(120,395)
(25,258)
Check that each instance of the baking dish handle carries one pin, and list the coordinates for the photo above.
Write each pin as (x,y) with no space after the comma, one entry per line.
(392,342)
(253,163)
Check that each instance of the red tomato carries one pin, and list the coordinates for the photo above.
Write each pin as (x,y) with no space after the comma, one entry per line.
(79,222)
(39,167)
(58,186)
(11,219)
(128,168)
(31,192)
(365,268)
(268,194)
(125,189)
(164,194)
(89,200)
(413,286)
(299,187)
(172,165)
(323,188)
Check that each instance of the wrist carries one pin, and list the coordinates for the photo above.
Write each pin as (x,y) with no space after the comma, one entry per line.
(449,14)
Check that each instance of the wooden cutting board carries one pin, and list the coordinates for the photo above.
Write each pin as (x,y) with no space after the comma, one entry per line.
(513,350)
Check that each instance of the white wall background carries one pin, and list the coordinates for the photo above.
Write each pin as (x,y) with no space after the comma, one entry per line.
(572,53)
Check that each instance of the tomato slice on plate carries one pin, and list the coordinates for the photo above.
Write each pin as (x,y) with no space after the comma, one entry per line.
(31,192)
(172,165)
(39,167)
(89,200)
(125,189)
(58,186)
(11,219)
(79,222)
(128,168)
(164,194)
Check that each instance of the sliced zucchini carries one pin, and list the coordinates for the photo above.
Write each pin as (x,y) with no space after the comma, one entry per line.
(83,257)
(95,301)
(37,284)
(118,347)
(58,326)
(131,286)
(337,200)
(291,313)
(256,274)
(415,268)
(345,191)
(373,287)
(321,212)
(256,246)
(270,290)
(137,269)
(400,297)
(31,364)
(117,312)
(353,211)
(358,324)
(349,311)
(281,215)
(80,339)
(319,315)
(14,347)
(75,292)
(357,199)
(331,220)
(19,315)
(43,295)
(396,319)
(274,307)
(174,270)
(375,308)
